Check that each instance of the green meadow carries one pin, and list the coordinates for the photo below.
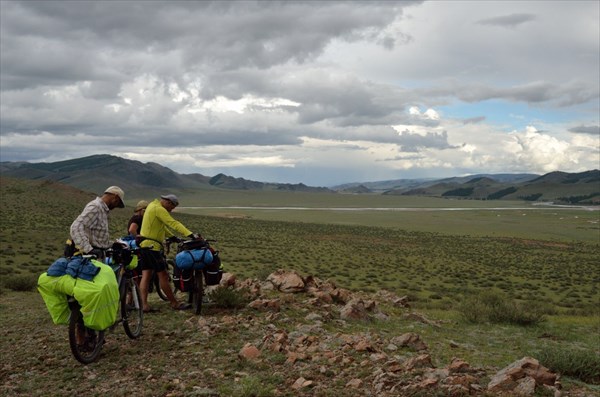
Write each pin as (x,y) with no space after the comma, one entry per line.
(435,251)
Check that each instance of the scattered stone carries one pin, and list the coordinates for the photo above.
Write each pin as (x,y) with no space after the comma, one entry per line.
(265,304)
(459,366)
(228,280)
(301,383)
(363,345)
(357,309)
(388,296)
(391,347)
(253,287)
(287,281)
(378,357)
(322,297)
(249,352)
(292,357)
(341,295)
(420,318)
(519,377)
(420,361)
(276,342)
(313,317)
(411,340)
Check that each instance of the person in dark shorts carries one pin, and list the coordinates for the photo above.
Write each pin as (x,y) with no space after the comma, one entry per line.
(158,224)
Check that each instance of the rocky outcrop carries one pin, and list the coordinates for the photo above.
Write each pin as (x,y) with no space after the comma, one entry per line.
(394,365)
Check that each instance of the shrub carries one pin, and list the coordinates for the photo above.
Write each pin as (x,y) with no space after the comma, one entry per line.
(20,282)
(229,298)
(496,307)
(581,364)
(251,386)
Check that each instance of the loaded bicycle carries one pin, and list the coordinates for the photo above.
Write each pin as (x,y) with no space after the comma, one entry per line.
(197,264)
(154,283)
(86,343)
(137,272)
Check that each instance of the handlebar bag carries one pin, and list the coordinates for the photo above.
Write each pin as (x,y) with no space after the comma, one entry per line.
(195,259)
(193,244)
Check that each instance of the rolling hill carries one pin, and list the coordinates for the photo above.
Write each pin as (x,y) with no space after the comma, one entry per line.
(560,187)
(94,173)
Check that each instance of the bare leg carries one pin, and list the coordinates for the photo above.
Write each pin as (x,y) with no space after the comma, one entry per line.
(144,284)
(163,280)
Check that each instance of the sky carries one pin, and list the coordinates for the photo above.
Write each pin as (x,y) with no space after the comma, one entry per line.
(320,93)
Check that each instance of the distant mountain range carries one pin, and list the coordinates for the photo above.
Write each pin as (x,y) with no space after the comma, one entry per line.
(94,173)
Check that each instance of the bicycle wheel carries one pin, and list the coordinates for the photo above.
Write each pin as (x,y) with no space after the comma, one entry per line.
(198,291)
(131,309)
(85,343)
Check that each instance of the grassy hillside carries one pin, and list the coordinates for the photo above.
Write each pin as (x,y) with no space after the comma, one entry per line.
(567,188)
(442,274)
(433,268)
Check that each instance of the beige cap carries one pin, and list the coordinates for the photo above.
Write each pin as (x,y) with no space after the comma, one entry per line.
(140,205)
(117,191)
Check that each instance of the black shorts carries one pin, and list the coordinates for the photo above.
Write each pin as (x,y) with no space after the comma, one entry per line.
(152,260)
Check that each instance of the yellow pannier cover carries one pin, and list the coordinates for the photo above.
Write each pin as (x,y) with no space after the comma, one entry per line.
(99,298)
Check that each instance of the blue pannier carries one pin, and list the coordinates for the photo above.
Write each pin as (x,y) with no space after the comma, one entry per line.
(196,259)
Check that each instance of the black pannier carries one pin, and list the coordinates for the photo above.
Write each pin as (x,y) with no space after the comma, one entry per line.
(182,279)
(213,272)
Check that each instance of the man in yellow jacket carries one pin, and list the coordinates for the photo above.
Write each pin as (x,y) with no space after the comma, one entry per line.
(158,224)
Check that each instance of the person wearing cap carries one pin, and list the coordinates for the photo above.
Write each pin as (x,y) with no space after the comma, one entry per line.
(89,231)
(134,226)
(157,226)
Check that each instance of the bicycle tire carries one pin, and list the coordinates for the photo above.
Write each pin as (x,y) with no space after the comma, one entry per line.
(198,291)
(132,312)
(88,351)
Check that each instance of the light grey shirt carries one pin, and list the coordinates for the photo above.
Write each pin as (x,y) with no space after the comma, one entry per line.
(90,229)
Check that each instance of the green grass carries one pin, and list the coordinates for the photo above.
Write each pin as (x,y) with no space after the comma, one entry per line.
(425,214)
(583,364)
(433,268)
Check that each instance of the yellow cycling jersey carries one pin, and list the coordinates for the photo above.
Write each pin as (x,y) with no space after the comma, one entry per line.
(158,224)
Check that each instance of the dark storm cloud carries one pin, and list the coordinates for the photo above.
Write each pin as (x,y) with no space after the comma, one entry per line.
(510,21)
(567,94)
(474,120)
(46,36)
(582,129)
(225,46)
